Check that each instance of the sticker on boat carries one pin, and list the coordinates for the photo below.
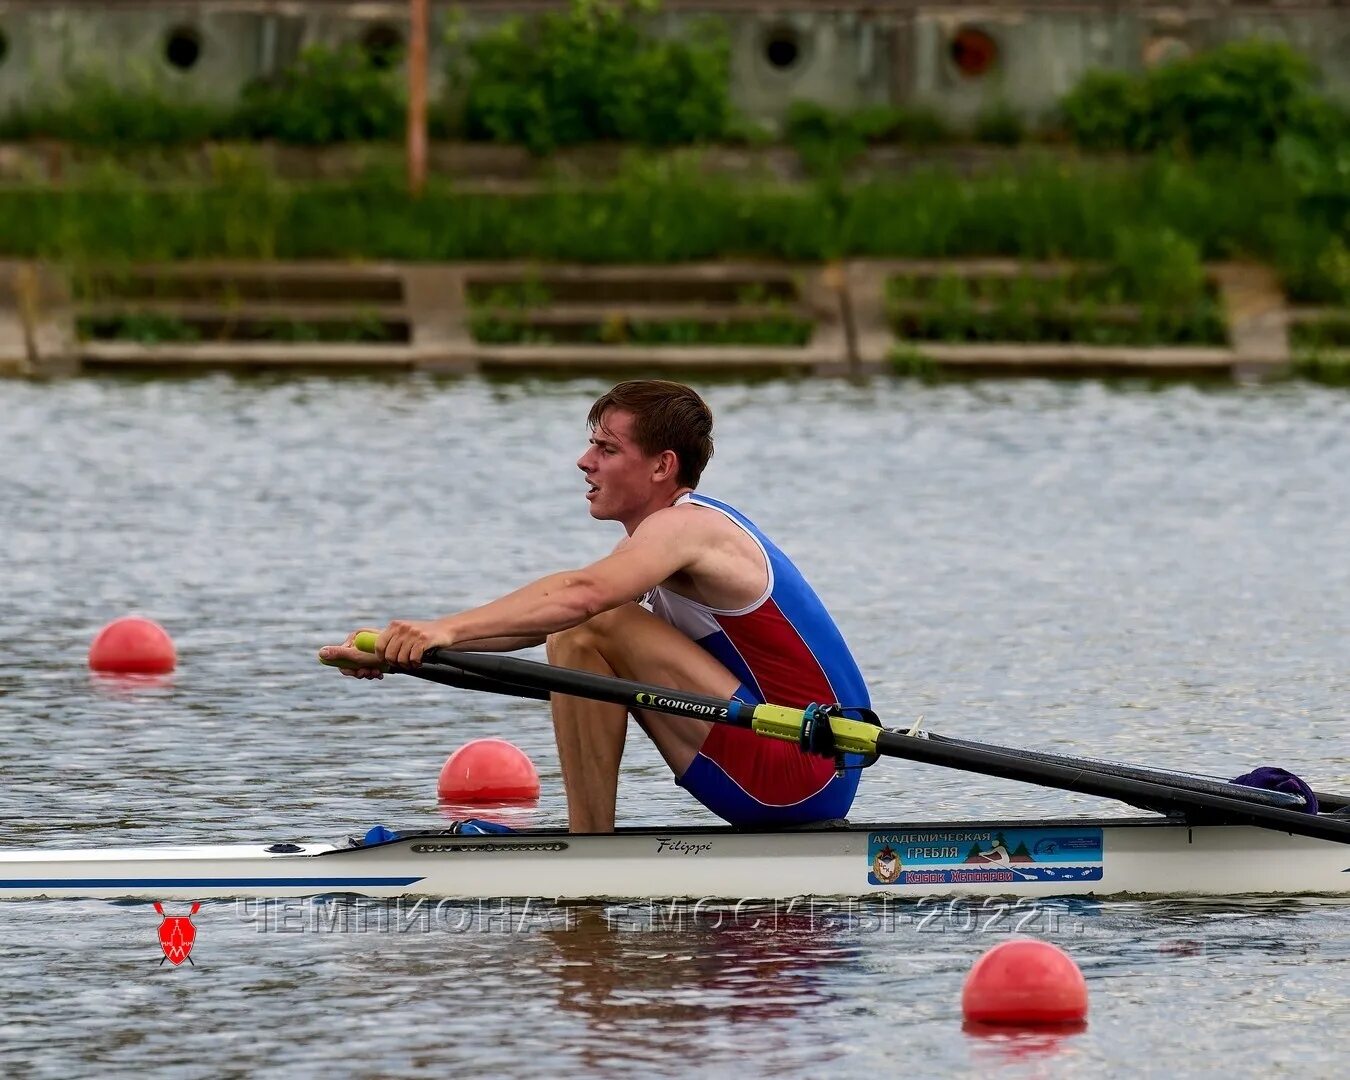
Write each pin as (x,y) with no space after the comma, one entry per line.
(954,856)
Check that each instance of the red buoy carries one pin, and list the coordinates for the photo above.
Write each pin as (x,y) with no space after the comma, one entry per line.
(133,646)
(488,771)
(1025,982)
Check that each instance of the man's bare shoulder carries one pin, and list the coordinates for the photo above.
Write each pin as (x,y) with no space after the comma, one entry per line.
(685,520)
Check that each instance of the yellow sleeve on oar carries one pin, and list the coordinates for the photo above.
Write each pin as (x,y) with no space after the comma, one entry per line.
(781,722)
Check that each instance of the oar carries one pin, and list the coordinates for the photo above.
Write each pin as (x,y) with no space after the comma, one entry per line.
(444,674)
(512,675)
(1169,777)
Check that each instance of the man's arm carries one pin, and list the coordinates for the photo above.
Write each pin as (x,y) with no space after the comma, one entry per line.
(501,644)
(667,542)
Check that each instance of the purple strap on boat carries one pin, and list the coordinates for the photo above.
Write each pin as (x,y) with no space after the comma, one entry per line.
(1269,778)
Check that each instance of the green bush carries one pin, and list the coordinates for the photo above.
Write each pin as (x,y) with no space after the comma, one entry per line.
(1236,99)
(1316,159)
(326,96)
(91,110)
(827,141)
(1107,110)
(1158,266)
(593,73)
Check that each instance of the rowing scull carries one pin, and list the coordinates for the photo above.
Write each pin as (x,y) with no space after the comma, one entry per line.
(1100,857)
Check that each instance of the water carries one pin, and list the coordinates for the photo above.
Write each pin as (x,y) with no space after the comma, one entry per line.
(1159,575)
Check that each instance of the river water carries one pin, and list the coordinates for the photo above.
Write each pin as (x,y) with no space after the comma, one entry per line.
(1159,574)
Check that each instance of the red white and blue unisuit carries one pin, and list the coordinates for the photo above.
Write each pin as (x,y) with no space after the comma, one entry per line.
(785,649)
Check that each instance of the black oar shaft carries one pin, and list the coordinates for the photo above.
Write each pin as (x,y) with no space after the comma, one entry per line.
(1168,777)
(1011,766)
(632,695)
(449,676)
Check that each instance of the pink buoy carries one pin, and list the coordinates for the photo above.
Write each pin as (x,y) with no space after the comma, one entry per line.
(1025,982)
(488,771)
(133,646)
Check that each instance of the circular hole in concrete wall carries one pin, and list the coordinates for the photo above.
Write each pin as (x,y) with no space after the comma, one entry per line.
(383,44)
(782,47)
(183,47)
(973,51)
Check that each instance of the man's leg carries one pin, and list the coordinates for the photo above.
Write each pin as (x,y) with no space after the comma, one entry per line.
(632,643)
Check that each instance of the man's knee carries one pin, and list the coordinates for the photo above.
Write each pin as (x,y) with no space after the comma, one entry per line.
(589,636)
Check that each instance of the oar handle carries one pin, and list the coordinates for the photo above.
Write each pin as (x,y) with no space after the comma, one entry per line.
(365,641)
(437,673)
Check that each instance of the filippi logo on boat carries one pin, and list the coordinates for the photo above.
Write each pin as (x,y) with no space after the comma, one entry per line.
(176,936)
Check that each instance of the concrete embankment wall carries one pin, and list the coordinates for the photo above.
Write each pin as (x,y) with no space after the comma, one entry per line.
(955,57)
(431,311)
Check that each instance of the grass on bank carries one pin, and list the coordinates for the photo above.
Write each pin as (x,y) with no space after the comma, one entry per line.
(154,329)
(662,211)
(502,315)
(667,210)
(769,332)
(1321,348)
(1153,291)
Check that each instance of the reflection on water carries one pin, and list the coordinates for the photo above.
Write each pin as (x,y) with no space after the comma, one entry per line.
(1071,566)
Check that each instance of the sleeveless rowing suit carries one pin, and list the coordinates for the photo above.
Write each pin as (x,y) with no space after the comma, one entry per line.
(785,649)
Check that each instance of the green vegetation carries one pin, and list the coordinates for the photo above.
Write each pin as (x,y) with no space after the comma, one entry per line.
(146,329)
(1329,333)
(773,332)
(667,211)
(327,96)
(1329,366)
(157,329)
(502,316)
(907,360)
(1241,99)
(510,294)
(594,73)
(1152,292)
(95,112)
(1244,160)
(829,140)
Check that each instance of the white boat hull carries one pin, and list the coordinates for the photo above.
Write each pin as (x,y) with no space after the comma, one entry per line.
(1061,857)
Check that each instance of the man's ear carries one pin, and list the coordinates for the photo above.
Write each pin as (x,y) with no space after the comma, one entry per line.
(667,465)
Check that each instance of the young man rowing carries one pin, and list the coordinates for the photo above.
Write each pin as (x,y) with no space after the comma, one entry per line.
(694,597)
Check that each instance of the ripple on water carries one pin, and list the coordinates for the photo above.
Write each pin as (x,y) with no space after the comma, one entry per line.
(1156,575)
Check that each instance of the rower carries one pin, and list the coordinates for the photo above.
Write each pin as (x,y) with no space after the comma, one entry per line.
(694,597)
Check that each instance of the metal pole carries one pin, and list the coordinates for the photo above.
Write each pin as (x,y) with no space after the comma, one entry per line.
(417,95)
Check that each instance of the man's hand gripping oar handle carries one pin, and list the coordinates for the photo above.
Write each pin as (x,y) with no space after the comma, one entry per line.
(365,641)
(444,674)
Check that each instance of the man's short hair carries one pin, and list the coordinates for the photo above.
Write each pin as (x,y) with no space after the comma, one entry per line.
(666,416)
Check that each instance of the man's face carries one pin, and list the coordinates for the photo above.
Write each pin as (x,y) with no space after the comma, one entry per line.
(620,476)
